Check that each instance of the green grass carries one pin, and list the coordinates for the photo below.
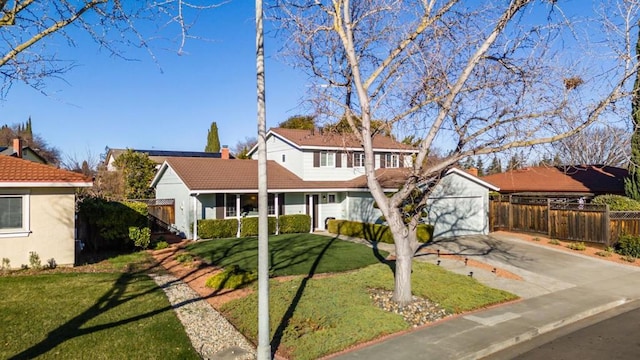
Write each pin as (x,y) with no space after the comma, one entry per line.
(315,317)
(89,315)
(291,254)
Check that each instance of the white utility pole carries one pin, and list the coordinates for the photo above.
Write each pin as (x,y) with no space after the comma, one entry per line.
(264,346)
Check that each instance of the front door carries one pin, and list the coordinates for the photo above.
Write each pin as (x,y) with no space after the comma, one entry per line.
(313,210)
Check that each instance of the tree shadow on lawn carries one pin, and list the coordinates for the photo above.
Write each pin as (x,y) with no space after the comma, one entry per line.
(111,299)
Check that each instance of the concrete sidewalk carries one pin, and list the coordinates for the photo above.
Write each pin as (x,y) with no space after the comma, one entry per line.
(557,288)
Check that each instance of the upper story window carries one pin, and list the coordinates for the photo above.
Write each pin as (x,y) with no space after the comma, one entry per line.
(327,159)
(392,160)
(358,159)
(14,215)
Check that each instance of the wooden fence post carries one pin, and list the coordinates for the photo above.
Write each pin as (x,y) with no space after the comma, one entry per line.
(549,218)
(607,226)
(510,218)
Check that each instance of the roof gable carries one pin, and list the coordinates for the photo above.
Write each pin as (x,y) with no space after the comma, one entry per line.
(15,172)
(316,139)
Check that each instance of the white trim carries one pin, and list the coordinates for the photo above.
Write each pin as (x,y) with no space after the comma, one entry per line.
(16,184)
(475,179)
(25,230)
(195,217)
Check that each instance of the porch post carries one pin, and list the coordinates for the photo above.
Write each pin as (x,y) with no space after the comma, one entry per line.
(276,203)
(311,214)
(238,213)
(195,216)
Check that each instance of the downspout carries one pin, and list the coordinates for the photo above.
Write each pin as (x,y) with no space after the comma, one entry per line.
(238,214)
(276,203)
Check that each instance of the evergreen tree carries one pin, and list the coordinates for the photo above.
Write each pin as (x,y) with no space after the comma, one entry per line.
(480,167)
(632,182)
(495,167)
(514,162)
(303,122)
(213,141)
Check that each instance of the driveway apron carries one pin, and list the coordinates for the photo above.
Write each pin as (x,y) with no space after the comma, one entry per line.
(557,288)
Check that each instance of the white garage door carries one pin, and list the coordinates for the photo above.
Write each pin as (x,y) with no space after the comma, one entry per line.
(456,216)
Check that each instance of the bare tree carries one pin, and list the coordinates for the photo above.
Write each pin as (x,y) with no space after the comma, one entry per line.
(472,78)
(29,27)
(608,145)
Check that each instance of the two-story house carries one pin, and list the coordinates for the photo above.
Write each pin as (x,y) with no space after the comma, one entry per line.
(309,172)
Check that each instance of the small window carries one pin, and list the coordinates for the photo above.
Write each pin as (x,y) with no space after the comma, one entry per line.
(331,198)
(392,161)
(14,215)
(327,159)
(283,157)
(358,160)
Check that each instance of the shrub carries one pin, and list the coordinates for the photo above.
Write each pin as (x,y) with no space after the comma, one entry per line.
(51,263)
(107,222)
(231,278)
(141,237)
(604,253)
(294,224)
(579,246)
(617,202)
(629,245)
(217,228)
(184,258)
(6,264)
(249,226)
(161,245)
(554,242)
(34,260)
(374,232)
(628,258)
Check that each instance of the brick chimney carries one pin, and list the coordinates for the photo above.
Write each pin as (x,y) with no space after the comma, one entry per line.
(473,171)
(224,152)
(17,147)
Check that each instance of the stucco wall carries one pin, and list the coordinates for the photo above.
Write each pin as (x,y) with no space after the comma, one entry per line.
(51,225)
(171,187)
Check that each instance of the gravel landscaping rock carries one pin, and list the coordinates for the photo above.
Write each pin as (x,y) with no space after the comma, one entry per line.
(211,335)
(419,312)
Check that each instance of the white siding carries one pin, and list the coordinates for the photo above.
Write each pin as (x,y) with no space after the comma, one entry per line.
(276,148)
(329,173)
(360,208)
(458,206)
(294,204)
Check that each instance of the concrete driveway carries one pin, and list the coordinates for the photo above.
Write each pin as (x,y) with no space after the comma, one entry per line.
(557,288)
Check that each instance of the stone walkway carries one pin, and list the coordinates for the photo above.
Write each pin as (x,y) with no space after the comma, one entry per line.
(211,335)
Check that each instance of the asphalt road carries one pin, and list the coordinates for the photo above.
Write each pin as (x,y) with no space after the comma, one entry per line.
(611,335)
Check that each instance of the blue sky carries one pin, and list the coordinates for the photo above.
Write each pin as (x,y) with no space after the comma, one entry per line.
(107,101)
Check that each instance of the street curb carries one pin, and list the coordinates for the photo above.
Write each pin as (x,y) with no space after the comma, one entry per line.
(528,335)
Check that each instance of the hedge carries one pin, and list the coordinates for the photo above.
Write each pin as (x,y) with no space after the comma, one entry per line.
(374,232)
(249,226)
(107,222)
(294,224)
(217,228)
(617,202)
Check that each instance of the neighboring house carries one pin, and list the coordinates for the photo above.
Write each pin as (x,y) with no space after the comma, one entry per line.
(37,211)
(19,150)
(309,174)
(159,156)
(561,182)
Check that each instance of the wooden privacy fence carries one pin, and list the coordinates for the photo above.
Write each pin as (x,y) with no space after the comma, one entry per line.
(562,220)
(162,214)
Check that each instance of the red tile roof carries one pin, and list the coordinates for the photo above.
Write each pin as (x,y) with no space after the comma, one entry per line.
(561,179)
(314,138)
(14,170)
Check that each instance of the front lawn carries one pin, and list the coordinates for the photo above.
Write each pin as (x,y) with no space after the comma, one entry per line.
(313,317)
(88,316)
(291,254)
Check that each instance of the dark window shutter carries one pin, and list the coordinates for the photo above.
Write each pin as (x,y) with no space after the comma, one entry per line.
(281,204)
(350,159)
(401,164)
(219,206)
(383,160)
(316,159)
(338,159)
